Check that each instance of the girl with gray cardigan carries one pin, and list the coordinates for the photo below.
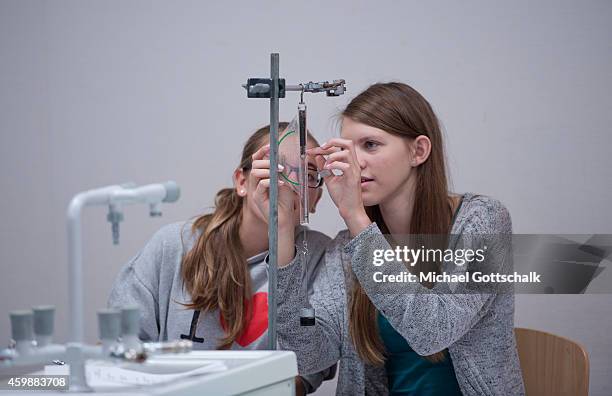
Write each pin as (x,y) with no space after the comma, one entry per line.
(406,337)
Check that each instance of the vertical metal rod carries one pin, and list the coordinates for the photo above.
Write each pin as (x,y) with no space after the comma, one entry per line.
(273,217)
(75,271)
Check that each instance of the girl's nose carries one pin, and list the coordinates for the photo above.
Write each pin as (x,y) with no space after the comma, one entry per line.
(360,161)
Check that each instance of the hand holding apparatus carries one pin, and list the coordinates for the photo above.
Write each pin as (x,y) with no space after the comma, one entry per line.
(342,175)
(259,180)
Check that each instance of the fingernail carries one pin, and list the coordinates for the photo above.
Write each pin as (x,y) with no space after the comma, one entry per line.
(325,173)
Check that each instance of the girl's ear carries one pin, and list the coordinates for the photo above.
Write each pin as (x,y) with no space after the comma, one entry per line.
(240,182)
(421,148)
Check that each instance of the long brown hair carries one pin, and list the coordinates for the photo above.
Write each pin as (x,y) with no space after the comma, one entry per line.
(400,110)
(214,271)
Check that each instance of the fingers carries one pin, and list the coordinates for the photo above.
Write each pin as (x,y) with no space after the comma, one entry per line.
(343,166)
(260,164)
(261,153)
(320,161)
(336,164)
(344,144)
(339,164)
(331,146)
(264,164)
(336,149)
(260,173)
(339,156)
(322,151)
(264,184)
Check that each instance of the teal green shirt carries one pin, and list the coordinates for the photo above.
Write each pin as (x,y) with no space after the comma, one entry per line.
(412,374)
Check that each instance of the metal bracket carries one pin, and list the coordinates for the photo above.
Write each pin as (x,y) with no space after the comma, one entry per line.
(335,88)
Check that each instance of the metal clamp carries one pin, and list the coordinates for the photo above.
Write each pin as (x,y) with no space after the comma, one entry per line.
(261,87)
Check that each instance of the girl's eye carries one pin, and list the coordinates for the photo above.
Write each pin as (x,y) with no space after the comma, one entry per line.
(370,145)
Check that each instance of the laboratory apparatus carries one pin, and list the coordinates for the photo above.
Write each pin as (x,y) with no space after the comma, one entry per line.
(115,196)
(122,364)
(274,88)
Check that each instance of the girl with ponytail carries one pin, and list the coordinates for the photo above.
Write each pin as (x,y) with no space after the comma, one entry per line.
(206,280)
(410,337)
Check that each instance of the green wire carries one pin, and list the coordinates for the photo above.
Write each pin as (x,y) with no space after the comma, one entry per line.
(282,174)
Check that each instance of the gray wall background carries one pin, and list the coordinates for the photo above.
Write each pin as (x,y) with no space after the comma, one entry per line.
(94,93)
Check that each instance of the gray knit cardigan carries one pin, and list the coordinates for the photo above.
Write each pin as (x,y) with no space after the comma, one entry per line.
(476,328)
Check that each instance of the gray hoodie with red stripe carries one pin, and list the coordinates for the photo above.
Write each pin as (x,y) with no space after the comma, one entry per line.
(152,280)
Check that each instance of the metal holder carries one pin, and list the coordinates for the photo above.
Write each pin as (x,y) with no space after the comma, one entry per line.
(274,88)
